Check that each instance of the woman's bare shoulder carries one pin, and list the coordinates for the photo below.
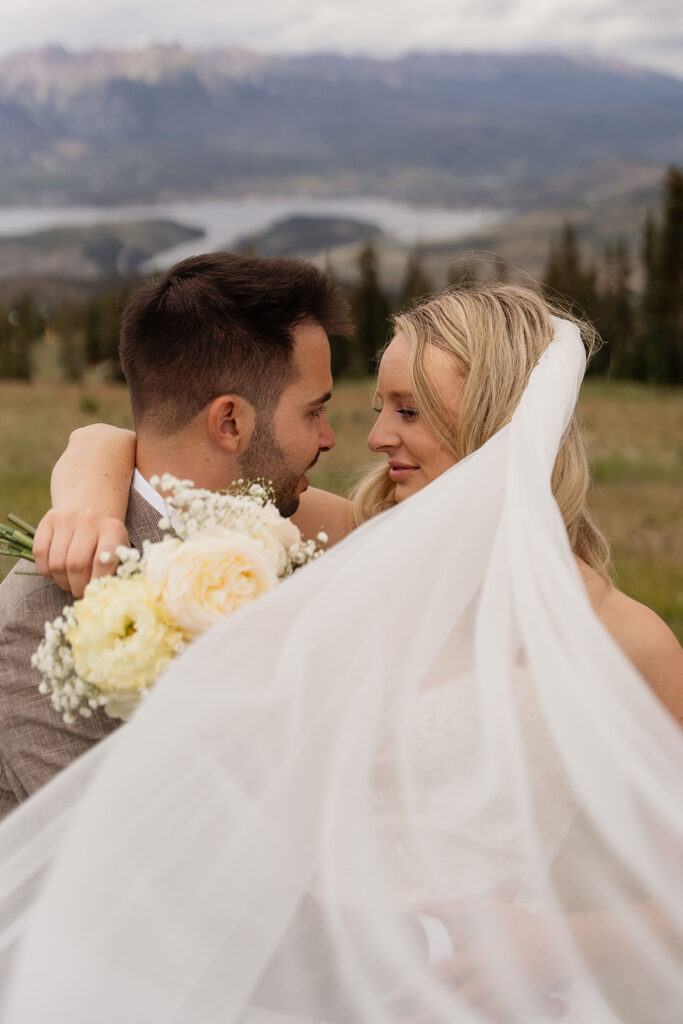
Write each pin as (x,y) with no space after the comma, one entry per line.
(323,511)
(643,636)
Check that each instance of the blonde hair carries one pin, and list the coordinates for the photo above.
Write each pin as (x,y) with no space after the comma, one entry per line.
(495,335)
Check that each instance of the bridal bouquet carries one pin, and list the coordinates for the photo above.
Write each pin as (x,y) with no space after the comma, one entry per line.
(222,552)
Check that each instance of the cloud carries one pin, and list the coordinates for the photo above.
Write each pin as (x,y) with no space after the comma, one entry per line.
(628,29)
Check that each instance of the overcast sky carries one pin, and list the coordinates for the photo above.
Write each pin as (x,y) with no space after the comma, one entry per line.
(643,32)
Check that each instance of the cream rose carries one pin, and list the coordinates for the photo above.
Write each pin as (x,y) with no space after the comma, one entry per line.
(283,529)
(206,578)
(277,535)
(123,637)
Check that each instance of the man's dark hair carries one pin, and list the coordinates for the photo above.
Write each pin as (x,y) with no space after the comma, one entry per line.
(219,324)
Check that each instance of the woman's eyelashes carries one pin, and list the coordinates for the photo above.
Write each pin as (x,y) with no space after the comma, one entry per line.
(404,412)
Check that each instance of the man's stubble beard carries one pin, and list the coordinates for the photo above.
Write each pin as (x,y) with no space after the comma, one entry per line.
(264,460)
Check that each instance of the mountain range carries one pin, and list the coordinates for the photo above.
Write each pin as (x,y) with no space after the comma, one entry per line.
(523,130)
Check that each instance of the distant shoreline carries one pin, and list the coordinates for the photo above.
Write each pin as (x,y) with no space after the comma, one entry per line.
(223,221)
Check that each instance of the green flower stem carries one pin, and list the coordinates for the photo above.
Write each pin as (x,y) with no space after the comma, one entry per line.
(14,542)
(22,524)
(23,540)
(16,552)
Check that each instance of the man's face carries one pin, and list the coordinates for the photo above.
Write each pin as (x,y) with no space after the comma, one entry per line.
(283,449)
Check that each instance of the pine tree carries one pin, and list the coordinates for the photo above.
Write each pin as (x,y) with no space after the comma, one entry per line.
(20,328)
(100,321)
(416,283)
(14,355)
(648,311)
(343,350)
(660,336)
(68,323)
(27,318)
(669,351)
(617,323)
(568,279)
(371,312)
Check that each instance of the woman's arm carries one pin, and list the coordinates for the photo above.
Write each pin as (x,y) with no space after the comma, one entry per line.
(650,645)
(611,945)
(95,470)
(322,511)
(645,639)
(90,485)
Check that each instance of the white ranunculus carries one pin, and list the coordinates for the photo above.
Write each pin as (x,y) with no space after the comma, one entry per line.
(122,636)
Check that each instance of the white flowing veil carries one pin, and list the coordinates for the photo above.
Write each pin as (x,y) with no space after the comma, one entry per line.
(428,717)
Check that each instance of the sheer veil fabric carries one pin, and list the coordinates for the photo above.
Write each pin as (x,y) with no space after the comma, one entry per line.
(430,712)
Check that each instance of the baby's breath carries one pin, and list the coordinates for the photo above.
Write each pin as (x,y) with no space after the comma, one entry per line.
(248,508)
(130,562)
(70,695)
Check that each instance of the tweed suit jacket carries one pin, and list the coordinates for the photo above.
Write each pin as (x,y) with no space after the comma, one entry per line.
(35,743)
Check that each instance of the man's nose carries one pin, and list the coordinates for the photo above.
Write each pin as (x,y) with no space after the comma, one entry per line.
(326,441)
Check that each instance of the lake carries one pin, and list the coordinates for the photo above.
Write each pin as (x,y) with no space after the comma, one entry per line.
(225,220)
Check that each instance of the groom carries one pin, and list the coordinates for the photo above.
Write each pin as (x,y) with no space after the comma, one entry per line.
(227,360)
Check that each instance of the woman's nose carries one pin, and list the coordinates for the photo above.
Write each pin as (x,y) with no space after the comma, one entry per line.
(381,438)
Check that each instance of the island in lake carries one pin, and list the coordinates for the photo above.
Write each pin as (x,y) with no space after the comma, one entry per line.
(302,236)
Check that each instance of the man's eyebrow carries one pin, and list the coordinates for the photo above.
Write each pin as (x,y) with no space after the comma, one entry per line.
(320,401)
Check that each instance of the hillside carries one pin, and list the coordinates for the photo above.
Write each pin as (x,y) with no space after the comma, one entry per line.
(520,131)
(89,253)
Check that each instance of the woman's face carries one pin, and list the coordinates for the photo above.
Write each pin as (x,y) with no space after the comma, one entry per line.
(415,456)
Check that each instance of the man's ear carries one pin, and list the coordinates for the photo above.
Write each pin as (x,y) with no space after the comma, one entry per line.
(230,422)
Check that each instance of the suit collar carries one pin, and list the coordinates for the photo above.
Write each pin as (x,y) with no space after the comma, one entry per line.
(142,520)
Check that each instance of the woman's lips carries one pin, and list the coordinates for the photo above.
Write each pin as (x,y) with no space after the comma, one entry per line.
(399,472)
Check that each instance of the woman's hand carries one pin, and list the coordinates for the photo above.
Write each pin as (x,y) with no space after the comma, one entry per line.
(90,486)
(71,547)
(528,946)
(528,950)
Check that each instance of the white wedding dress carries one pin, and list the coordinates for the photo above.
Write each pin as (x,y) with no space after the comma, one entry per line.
(445,736)
(430,710)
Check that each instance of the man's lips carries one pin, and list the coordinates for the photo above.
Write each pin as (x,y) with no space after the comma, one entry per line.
(304,481)
(401,471)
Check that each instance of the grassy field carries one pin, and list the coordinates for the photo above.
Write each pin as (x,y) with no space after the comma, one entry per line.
(635,436)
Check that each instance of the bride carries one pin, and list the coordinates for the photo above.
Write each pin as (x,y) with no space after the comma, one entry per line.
(431,725)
